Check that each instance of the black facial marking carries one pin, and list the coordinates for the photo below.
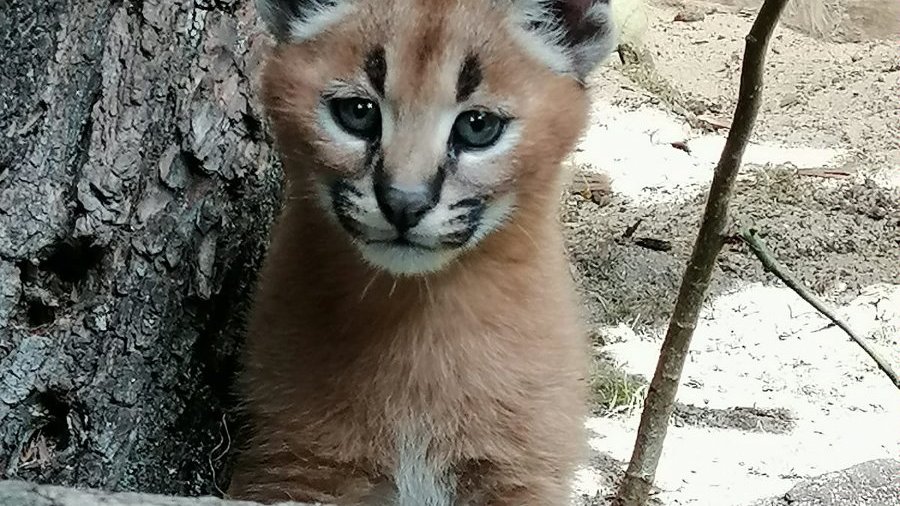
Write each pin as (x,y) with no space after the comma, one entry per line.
(470,202)
(474,209)
(468,221)
(344,188)
(451,159)
(344,194)
(344,206)
(457,239)
(376,69)
(375,163)
(470,77)
(572,16)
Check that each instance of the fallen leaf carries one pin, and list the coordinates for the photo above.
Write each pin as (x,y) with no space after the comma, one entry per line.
(592,186)
(714,122)
(827,173)
(654,244)
(682,146)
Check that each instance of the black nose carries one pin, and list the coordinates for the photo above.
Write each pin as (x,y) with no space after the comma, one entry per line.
(405,206)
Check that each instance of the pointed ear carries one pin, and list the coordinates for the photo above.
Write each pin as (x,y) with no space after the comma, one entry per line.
(581,32)
(299,20)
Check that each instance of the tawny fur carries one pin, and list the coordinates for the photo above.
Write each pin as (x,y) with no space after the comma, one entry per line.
(484,361)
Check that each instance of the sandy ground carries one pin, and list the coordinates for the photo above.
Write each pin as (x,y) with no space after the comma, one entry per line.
(771,394)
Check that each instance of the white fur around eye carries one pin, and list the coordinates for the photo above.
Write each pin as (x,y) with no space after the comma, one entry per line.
(504,145)
(335,132)
(387,123)
(489,166)
(443,128)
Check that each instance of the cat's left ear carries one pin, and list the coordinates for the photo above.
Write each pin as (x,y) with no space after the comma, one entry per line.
(581,33)
(300,20)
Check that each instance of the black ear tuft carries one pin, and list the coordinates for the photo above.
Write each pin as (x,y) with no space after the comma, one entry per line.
(583,30)
(285,19)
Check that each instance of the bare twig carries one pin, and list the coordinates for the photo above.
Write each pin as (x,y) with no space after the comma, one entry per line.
(638,481)
(224,440)
(758,247)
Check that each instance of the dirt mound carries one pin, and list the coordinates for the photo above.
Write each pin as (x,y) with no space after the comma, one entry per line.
(836,237)
(837,20)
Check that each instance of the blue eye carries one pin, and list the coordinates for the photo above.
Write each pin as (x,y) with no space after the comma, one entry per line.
(477,129)
(358,116)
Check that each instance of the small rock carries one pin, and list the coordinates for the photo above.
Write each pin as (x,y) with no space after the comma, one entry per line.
(789,99)
(690,14)
(874,483)
(877,212)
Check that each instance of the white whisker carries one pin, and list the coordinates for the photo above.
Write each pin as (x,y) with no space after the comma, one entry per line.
(527,234)
(393,287)
(369,285)
(428,291)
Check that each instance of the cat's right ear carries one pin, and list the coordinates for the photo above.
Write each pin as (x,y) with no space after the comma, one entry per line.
(300,20)
(577,34)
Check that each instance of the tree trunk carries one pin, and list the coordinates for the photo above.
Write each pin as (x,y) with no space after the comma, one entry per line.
(136,189)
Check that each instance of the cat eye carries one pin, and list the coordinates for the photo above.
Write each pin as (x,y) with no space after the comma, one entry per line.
(360,117)
(477,129)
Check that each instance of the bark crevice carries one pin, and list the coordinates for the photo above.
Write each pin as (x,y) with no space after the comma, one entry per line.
(136,190)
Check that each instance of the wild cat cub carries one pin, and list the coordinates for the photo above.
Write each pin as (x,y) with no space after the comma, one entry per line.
(416,339)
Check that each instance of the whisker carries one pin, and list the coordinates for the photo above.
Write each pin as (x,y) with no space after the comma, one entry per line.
(369,285)
(528,235)
(393,287)
(428,290)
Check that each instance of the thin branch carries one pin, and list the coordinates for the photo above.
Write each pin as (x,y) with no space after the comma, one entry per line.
(638,481)
(758,247)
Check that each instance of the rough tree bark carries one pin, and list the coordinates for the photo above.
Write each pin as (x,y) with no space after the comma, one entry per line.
(136,186)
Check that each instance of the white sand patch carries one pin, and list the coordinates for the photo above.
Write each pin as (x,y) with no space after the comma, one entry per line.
(587,481)
(758,346)
(763,346)
(634,147)
(888,177)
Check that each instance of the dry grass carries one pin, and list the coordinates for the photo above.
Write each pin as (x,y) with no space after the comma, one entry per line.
(613,391)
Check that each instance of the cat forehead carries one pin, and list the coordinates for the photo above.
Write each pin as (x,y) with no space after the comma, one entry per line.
(304,20)
(433,51)
(567,36)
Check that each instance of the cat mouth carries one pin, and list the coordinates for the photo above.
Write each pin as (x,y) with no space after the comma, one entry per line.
(403,257)
(402,242)
(445,242)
